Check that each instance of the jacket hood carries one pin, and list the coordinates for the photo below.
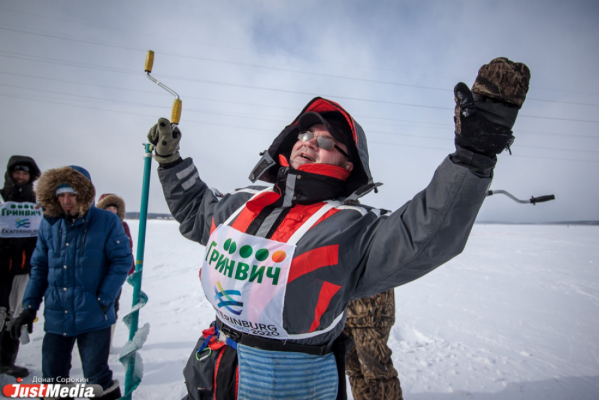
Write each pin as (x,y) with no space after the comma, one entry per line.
(360,180)
(12,191)
(109,199)
(78,178)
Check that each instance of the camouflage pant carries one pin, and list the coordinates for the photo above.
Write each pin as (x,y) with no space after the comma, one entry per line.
(369,365)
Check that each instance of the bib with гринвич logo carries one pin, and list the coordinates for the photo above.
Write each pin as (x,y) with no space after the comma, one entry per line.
(19,220)
(245,278)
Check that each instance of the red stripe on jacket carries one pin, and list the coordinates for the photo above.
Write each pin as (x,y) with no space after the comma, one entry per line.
(327,291)
(327,215)
(212,227)
(252,209)
(236,381)
(220,356)
(294,219)
(313,260)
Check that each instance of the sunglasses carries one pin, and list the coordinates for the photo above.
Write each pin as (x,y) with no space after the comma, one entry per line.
(322,142)
(23,168)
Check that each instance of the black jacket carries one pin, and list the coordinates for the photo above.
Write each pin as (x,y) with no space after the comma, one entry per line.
(15,253)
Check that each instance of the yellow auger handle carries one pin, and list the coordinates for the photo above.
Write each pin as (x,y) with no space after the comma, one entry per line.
(149,61)
(177,105)
(176,111)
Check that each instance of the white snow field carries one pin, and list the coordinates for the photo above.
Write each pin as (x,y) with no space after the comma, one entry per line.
(515,316)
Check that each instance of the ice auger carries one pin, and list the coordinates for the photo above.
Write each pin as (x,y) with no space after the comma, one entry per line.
(129,356)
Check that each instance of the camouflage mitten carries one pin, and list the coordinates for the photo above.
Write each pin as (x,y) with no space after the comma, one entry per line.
(485,116)
(165,141)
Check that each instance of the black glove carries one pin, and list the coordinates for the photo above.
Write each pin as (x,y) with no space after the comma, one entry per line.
(165,141)
(475,132)
(485,116)
(26,318)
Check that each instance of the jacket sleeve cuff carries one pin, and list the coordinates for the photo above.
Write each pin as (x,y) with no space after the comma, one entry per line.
(171,164)
(31,306)
(479,164)
(104,299)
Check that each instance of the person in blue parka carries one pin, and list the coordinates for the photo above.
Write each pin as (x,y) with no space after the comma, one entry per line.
(80,262)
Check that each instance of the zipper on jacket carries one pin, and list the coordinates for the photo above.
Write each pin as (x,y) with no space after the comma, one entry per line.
(82,251)
(262,217)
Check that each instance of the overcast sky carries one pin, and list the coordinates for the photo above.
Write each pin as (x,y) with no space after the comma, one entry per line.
(73,90)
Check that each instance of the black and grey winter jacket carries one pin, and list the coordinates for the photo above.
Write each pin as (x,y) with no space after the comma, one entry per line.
(353,251)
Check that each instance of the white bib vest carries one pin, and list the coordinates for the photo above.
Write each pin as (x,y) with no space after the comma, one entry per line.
(19,220)
(244,277)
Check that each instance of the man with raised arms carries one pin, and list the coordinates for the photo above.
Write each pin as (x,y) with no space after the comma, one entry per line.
(283,261)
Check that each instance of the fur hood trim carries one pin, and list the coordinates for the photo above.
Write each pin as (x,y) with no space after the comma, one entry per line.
(47,184)
(34,169)
(112,199)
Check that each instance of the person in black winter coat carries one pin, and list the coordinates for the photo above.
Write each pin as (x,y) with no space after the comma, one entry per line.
(15,253)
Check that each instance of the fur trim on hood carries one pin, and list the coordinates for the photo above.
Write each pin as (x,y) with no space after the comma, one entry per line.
(47,184)
(109,199)
(12,192)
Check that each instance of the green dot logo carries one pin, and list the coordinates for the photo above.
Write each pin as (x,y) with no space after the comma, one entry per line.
(230,246)
(246,251)
(12,206)
(261,254)
(20,206)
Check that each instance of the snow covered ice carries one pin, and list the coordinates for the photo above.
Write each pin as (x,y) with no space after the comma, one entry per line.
(516,316)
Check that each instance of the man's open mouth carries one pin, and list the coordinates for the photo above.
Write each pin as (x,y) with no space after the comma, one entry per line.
(307,157)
